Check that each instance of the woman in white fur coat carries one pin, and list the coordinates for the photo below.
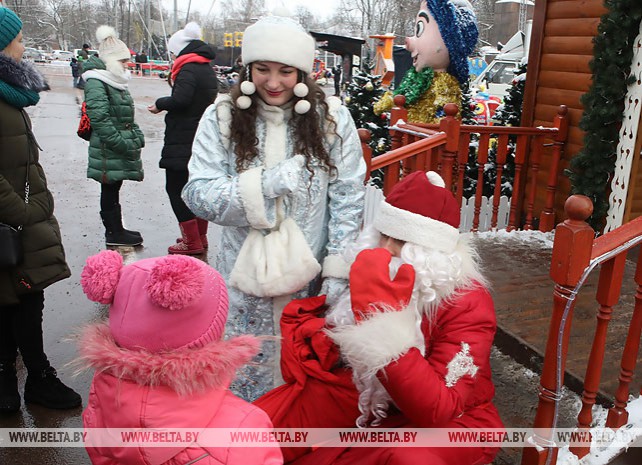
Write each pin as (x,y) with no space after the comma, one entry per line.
(281,168)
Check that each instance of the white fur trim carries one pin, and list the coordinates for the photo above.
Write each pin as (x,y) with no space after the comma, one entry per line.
(334,103)
(224,116)
(279,39)
(418,229)
(251,191)
(279,263)
(462,364)
(335,266)
(276,134)
(376,342)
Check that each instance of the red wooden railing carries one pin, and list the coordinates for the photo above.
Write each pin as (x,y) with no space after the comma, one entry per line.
(444,148)
(575,254)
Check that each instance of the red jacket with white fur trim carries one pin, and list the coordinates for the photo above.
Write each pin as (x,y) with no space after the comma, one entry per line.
(450,385)
(454,375)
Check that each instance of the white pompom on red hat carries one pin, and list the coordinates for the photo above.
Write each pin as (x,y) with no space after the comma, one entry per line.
(419,209)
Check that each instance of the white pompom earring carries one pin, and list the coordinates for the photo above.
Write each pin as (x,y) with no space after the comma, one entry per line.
(301,90)
(247,88)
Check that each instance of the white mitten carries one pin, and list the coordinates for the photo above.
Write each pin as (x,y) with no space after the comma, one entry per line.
(282,179)
(332,288)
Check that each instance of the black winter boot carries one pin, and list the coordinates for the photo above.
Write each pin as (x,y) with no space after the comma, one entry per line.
(9,396)
(115,234)
(46,389)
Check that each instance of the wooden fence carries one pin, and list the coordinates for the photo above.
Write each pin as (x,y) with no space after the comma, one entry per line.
(575,255)
(445,148)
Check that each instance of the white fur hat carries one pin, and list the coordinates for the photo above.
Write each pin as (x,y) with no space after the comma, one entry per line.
(110,47)
(181,38)
(279,39)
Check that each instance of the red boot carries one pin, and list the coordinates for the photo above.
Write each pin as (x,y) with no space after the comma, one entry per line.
(202,230)
(191,243)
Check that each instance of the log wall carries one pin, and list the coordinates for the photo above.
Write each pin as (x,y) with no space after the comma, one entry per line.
(559,74)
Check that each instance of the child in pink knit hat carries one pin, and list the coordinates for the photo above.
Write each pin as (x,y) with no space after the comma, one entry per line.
(160,361)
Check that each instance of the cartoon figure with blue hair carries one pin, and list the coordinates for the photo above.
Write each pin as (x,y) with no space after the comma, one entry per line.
(445,35)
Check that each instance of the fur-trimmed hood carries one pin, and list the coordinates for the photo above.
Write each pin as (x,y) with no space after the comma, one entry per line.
(186,371)
(23,74)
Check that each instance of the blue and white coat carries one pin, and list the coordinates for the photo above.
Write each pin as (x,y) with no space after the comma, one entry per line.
(326,208)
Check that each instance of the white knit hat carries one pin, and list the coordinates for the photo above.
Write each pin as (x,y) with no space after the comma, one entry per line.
(181,38)
(110,47)
(279,39)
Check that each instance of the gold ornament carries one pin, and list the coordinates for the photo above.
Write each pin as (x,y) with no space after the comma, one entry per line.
(369,87)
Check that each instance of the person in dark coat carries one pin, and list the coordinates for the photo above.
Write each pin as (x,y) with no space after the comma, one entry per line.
(336,71)
(194,88)
(75,71)
(22,287)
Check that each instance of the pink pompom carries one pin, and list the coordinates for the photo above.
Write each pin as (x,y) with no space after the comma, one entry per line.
(100,276)
(175,281)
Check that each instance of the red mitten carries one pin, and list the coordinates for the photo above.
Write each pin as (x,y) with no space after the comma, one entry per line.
(370,283)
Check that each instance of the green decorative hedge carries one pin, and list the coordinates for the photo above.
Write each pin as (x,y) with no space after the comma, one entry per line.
(591,169)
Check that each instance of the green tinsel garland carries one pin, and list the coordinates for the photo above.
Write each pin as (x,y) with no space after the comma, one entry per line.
(592,168)
(414,84)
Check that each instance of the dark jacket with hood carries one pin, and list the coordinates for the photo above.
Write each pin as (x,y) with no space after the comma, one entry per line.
(44,258)
(194,89)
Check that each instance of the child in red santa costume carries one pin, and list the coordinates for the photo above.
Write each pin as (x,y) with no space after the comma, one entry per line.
(408,346)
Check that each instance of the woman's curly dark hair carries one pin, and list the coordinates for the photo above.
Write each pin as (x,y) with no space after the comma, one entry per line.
(308,129)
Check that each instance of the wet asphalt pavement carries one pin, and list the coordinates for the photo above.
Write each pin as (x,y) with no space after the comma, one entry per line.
(145,208)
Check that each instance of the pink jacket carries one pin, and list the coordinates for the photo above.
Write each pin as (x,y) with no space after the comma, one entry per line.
(186,388)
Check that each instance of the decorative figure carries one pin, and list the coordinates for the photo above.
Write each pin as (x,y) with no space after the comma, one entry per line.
(445,34)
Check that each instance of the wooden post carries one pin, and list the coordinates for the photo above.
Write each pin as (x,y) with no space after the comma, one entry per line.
(515,206)
(500,161)
(398,111)
(571,255)
(364,137)
(482,159)
(618,416)
(536,156)
(547,218)
(451,126)
(608,294)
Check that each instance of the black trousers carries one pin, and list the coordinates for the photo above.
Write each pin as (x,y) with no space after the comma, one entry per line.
(174,183)
(110,195)
(21,329)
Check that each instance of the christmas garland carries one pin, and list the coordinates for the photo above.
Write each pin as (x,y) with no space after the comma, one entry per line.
(414,84)
(592,168)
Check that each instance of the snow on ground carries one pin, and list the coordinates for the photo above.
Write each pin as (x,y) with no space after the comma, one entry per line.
(606,443)
(544,240)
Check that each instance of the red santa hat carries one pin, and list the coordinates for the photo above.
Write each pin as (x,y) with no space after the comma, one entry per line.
(419,209)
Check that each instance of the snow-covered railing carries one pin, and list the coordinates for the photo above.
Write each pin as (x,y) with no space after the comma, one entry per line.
(446,150)
(575,255)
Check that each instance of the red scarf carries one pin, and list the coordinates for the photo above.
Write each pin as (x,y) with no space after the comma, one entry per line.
(184,59)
